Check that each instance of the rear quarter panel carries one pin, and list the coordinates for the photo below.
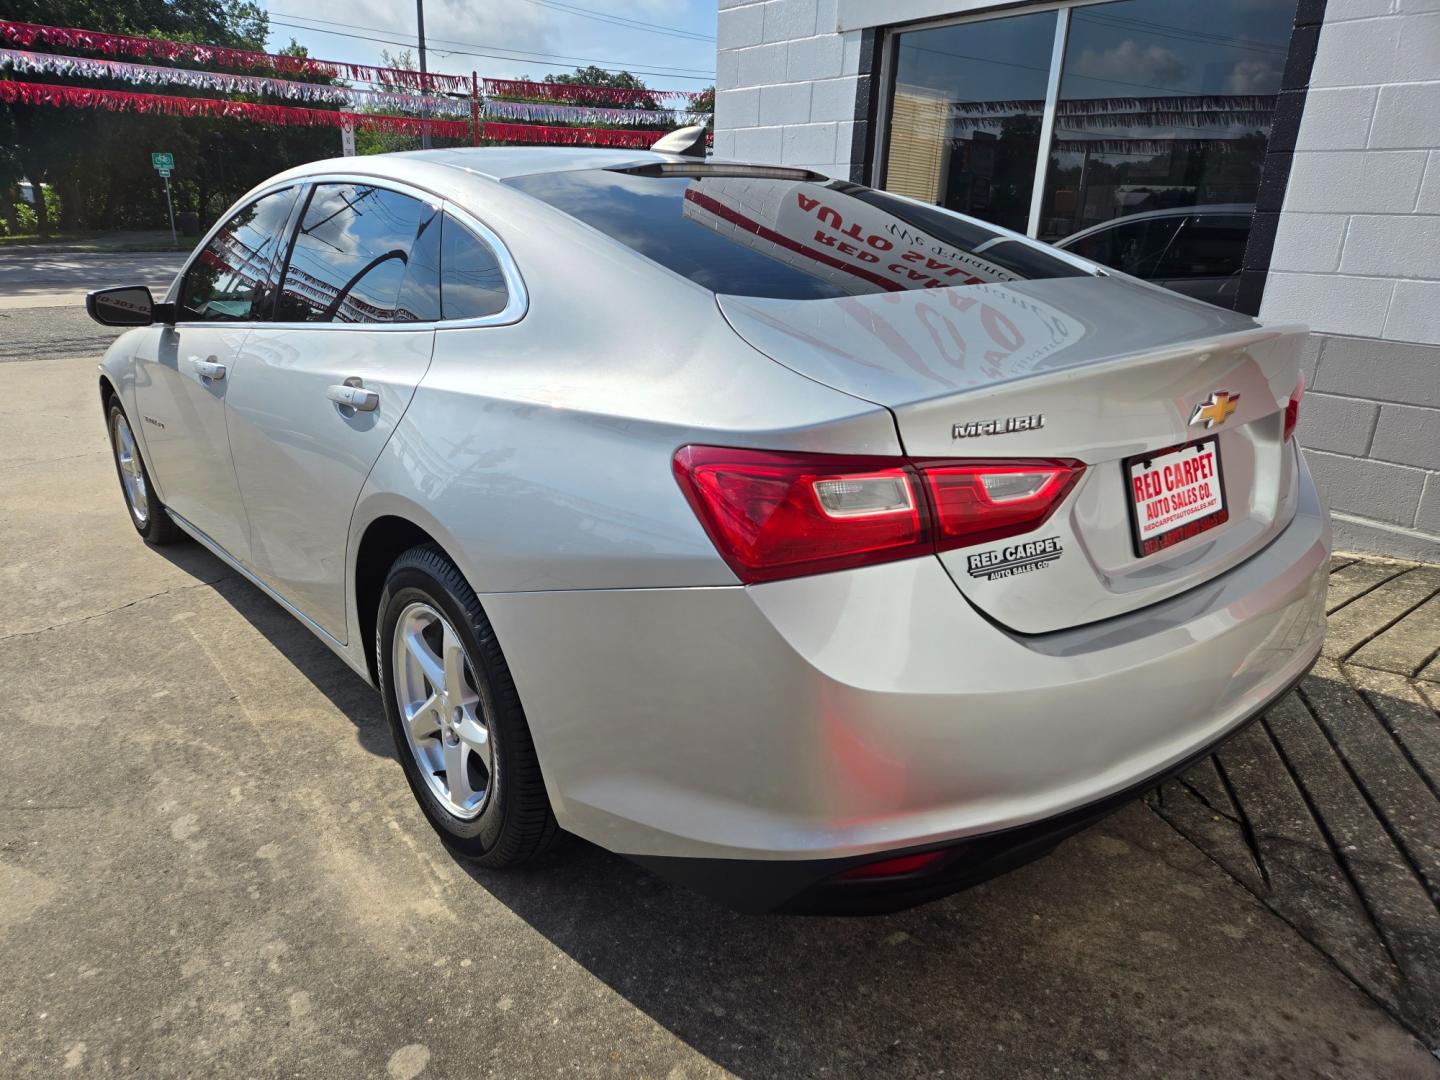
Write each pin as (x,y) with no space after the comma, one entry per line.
(541,451)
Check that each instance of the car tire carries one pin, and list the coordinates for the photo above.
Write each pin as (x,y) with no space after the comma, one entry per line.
(147,512)
(425,601)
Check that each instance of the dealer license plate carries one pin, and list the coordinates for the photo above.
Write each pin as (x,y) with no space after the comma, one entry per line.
(1175,494)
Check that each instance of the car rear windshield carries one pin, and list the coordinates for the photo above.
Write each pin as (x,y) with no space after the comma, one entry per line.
(787,234)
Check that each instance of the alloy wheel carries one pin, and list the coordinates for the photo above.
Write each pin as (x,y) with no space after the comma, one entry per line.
(132,475)
(441,711)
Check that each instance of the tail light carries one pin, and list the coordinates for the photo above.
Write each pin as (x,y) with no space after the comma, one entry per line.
(979,502)
(1292,410)
(778,515)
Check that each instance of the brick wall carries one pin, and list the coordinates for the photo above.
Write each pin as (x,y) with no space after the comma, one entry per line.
(1357,257)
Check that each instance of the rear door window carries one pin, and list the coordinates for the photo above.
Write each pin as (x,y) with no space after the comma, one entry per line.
(231,280)
(363,254)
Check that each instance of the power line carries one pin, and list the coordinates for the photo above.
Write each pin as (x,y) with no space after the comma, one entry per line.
(493,55)
(620,20)
(1179,33)
(471,44)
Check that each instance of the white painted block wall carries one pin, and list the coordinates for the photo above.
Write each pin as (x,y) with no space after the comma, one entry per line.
(786,85)
(1357,257)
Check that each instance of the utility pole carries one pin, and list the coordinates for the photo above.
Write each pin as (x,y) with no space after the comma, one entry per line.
(424,82)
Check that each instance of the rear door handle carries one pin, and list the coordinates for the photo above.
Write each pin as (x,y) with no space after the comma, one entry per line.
(208,369)
(356,397)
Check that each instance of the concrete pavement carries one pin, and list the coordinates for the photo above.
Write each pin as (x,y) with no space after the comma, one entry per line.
(210,864)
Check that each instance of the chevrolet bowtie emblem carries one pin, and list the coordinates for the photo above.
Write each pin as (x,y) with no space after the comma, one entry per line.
(1215,410)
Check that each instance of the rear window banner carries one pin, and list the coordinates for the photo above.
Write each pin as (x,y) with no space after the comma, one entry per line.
(855,246)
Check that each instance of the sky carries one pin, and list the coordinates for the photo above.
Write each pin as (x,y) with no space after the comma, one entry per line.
(671,41)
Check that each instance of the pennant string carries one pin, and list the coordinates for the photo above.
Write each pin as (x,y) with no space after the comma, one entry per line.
(28,34)
(587,114)
(24,93)
(580,94)
(32,63)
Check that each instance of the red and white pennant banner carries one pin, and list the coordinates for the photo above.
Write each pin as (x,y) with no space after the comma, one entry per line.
(81,97)
(78,67)
(587,114)
(616,95)
(27,34)
(632,138)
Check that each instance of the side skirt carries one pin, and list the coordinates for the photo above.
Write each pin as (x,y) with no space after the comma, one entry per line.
(335,645)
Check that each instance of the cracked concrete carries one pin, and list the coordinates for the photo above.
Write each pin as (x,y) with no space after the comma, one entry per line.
(210,864)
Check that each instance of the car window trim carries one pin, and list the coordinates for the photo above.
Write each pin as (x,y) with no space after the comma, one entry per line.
(517,298)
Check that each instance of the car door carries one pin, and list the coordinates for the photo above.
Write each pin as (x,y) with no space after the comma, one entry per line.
(183,372)
(322,387)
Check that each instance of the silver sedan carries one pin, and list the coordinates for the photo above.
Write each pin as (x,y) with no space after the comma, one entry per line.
(817,547)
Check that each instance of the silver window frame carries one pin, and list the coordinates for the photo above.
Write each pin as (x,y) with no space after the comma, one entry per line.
(517,298)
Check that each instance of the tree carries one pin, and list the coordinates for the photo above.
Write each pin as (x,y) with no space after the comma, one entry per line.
(99,162)
(704,102)
(598,76)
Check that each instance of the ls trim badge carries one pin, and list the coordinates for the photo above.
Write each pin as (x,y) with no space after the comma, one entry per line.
(1215,410)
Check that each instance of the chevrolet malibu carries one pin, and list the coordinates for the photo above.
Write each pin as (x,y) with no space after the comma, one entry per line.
(818,548)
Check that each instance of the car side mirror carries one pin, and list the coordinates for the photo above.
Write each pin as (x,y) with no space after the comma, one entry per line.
(127,305)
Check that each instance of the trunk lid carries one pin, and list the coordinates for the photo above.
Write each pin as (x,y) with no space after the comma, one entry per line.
(1099,370)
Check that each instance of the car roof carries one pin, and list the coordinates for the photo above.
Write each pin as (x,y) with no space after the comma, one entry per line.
(497,162)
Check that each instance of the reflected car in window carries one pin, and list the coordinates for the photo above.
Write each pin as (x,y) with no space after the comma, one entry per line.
(820,548)
(1194,250)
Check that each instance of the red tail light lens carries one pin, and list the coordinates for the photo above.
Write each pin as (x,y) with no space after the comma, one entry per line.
(978,502)
(780,515)
(1292,410)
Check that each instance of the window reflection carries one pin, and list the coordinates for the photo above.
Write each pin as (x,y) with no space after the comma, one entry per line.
(965,114)
(472,283)
(230,278)
(352,258)
(1163,106)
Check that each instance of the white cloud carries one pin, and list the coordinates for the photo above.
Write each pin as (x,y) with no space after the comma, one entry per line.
(1254,77)
(1131,63)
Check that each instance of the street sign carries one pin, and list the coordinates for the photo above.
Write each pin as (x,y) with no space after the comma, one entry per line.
(162,163)
(347,140)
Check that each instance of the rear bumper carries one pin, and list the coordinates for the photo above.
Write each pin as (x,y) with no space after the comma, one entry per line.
(819,886)
(816,721)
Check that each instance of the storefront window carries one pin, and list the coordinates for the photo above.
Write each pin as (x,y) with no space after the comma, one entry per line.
(1163,105)
(1163,109)
(965,113)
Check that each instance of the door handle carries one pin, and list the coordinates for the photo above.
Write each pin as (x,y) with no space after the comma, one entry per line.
(207,368)
(356,397)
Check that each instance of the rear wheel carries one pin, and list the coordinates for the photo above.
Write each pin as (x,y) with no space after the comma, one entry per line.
(147,512)
(456,717)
